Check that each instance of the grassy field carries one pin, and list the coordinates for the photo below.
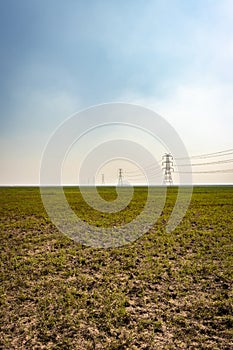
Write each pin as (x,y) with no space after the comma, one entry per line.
(164,291)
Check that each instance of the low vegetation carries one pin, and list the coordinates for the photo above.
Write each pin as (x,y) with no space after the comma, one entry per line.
(163,291)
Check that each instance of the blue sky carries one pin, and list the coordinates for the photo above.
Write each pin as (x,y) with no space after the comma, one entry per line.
(58,57)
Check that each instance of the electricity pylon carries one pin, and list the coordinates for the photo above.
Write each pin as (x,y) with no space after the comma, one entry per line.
(120,178)
(167,164)
(103,182)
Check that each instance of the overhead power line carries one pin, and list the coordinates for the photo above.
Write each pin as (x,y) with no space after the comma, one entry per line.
(153,170)
(216,155)
(205,172)
(210,155)
(210,163)
(146,168)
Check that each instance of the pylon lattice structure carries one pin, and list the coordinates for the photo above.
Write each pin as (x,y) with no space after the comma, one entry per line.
(167,164)
(120,178)
(103,182)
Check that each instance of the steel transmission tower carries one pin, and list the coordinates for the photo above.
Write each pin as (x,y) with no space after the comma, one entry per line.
(103,182)
(167,164)
(120,178)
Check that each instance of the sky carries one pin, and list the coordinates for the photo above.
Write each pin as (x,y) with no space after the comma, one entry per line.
(59,57)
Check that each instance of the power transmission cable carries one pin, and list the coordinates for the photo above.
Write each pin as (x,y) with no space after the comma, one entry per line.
(205,172)
(201,156)
(152,170)
(210,163)
(150,167)
(213,154)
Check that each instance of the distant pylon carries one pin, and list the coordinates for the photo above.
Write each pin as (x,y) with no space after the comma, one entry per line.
(103,182)
(167,164)
(120,178)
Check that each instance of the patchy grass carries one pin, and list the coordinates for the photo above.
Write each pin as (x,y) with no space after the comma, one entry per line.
(164,291)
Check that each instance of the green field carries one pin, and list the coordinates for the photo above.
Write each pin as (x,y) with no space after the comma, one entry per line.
(164,291)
